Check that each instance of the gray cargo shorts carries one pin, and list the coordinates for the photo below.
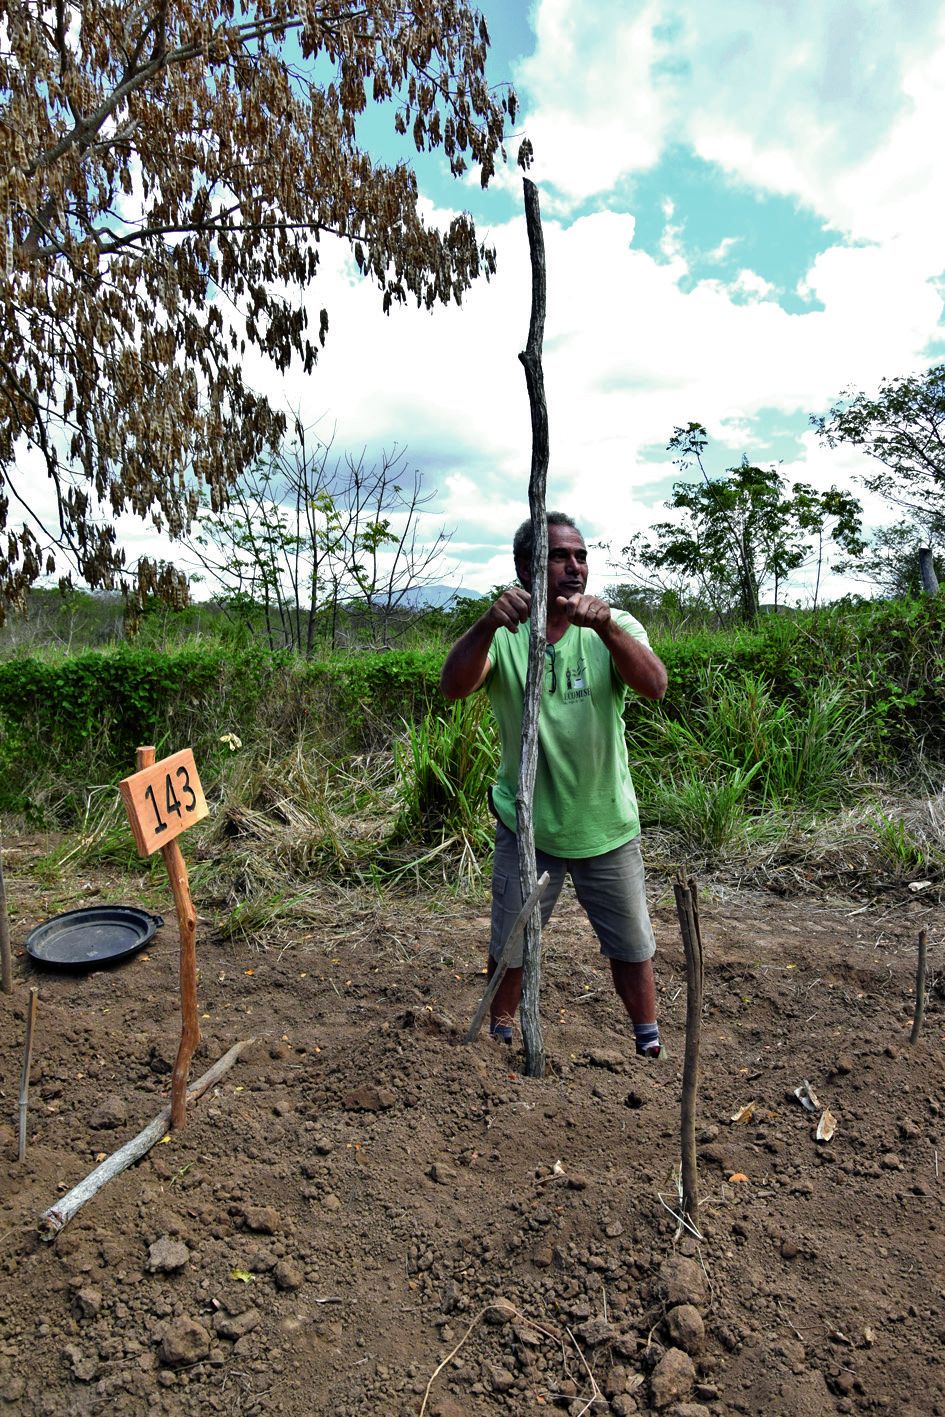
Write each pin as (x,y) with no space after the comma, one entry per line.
(609,887)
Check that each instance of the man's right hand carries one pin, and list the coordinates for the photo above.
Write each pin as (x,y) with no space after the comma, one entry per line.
(512,609)
(466,667)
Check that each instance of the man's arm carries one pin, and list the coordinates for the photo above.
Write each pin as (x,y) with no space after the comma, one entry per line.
(467,664)
(638,667)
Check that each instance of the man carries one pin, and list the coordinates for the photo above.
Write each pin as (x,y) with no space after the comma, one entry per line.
(585,812)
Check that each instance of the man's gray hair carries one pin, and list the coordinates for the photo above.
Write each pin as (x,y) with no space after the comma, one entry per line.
(522,540)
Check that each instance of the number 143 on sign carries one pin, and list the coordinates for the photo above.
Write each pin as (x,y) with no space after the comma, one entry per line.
(163,800)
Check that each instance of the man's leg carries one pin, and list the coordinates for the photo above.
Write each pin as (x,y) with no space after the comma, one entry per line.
(506,1001)
(506,904)
(634,983)
(611,889)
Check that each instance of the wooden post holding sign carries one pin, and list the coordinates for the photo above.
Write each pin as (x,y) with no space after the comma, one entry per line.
(162,800)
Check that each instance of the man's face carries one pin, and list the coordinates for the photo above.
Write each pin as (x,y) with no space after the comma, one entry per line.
(567,563)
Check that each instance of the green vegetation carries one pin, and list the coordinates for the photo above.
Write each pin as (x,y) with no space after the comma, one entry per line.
(351,768)
(741,762)
(739,534)
(444,766)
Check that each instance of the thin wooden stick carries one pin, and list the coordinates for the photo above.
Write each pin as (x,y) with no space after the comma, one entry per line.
(687,910)
(502,964)
(919,1014)
(25,1076)
(534,379)
(187,931)
(6,956)
(59,1215)
(190,1028)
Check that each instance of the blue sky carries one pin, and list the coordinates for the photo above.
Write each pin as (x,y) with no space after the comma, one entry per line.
(743,217)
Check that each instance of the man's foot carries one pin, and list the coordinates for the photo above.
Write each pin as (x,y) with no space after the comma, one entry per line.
(502,1029)
(647,1036)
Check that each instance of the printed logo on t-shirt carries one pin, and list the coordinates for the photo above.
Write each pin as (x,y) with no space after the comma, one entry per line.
(574,686)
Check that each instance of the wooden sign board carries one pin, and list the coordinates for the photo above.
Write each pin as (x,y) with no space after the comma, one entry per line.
(163,800)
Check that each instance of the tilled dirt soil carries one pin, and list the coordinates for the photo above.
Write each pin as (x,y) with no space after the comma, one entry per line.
(368,1216)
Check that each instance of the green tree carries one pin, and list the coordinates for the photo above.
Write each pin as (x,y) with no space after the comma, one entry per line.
(889,560)
(903,429)
(166,172)
(827,516)
(739,534)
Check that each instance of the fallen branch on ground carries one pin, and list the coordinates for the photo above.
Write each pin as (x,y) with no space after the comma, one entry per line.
(57,1217)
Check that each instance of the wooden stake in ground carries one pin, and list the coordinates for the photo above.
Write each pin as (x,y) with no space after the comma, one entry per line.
(162,800)
(502,963)
(927,573)
(534,379)
(25,1076)
(687,908)
(59,1215)
(6,958)
(919,1013)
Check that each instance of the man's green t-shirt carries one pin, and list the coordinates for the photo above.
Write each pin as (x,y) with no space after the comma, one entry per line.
(584,800)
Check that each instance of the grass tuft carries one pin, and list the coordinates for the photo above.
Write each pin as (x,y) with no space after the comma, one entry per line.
(443,767)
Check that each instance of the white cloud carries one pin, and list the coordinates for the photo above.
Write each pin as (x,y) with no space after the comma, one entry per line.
(629,354)
(721,252)
(838,103)
(598,112)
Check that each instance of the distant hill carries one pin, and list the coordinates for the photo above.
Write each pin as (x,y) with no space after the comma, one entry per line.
(435,597)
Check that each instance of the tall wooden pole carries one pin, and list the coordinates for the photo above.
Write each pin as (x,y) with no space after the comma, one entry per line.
(187,930)
(6,954)
(534,379)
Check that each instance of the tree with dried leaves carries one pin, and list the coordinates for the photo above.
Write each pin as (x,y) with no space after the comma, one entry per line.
(166,171)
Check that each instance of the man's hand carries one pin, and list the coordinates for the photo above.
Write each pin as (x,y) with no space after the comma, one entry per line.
(512,609)
(466,667)
(637,665)
(586,611)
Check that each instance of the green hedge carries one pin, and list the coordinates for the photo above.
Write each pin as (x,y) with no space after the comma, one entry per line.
(67,723)
(889,654)
(371,693)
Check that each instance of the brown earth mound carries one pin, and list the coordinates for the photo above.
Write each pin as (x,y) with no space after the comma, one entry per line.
(369,1216)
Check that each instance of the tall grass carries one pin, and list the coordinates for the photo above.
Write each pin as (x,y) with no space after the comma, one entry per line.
(741,759)
(443,767)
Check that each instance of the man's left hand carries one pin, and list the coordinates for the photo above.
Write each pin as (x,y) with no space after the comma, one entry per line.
(586,611)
